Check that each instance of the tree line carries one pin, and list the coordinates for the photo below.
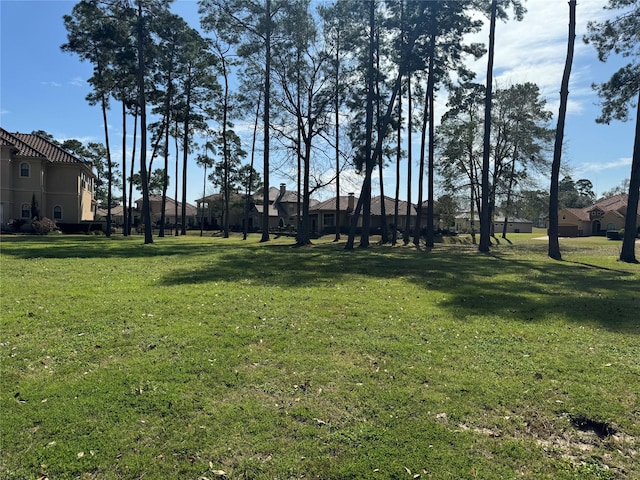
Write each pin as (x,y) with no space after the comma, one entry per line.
(334,84)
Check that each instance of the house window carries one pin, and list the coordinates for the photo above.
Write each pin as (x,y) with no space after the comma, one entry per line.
(57,212)
(25,210)
(25,169)
(611,226)
(329,219)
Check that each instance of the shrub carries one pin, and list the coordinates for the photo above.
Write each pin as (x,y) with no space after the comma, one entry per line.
(44,226)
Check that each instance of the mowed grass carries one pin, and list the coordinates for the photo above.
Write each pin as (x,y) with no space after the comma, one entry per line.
(209,358)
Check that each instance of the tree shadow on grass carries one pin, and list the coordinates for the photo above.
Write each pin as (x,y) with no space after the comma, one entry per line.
(517,285)
(472,284)
(87,246)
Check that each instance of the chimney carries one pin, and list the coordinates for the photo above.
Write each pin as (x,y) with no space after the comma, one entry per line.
(351,202)
(283,189)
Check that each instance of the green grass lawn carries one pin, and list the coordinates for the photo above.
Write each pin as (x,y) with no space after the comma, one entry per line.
(196,356)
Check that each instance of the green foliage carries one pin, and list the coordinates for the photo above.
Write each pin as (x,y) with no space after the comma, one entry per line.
(619,35)
(199,355)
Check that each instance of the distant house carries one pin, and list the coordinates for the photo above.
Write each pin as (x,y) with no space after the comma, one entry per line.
(38,174)
(323,215)
(155,206)
(211,211)
(283,209)
(606,215)
(514,225)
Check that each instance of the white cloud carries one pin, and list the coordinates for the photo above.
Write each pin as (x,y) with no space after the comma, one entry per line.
(77,82)
(51,84)
(596,167)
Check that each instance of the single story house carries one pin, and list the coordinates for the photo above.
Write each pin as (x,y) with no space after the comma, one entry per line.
(606,215)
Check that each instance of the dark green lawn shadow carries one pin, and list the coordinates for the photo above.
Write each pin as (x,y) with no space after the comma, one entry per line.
(96,246)
(472,284)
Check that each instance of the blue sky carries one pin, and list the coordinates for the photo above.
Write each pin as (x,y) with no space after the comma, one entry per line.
(43,88)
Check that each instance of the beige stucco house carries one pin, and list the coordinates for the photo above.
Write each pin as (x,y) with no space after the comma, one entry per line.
(33,168)
(606,215)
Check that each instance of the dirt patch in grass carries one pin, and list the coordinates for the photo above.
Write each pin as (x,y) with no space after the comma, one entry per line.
(577,439)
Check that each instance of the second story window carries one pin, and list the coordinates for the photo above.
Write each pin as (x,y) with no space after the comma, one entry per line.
(25,169)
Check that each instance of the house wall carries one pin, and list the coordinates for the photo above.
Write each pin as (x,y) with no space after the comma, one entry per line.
(21,190)
(513,227)
(612,221)
(76,203)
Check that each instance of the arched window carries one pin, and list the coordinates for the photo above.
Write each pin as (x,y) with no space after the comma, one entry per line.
(25,169)
(25,210)
(57,212)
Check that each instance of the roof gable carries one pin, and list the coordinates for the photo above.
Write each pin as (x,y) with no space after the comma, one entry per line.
(22,148)
(31,145)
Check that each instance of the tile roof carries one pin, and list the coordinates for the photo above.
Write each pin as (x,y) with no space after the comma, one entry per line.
(23,148)
(616,203)
(330,204)
(389,206)
(171,204)
(31,145)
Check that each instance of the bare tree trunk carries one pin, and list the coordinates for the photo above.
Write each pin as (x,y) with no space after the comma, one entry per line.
(554,245)
(485,216)
(394,234)
(431,162)
(124,169)
(267,120)
(406,235)
(109,167)
(247,203)
(509,190)
(146,211)
(337,133)
(175,204)
(366,188)
(133,156)
(225,149)
(630,223)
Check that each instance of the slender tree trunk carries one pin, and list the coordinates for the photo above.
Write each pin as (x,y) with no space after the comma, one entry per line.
(630,223)
(509,190)
(336,238)
(554,244)
(431,161)
(165,182)
(185,157)
(247,204)
(204,193)
(134,143)
(485,216)
(406,235)
(146,211)
(366,188)
(472,222)
(175,203)
(299,207)
(267,120)
(383,208)
(225,149)
(425,125)
(125,218)
(109,166)
(394,233)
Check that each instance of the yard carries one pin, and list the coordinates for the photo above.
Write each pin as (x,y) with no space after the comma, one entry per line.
(196,358)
